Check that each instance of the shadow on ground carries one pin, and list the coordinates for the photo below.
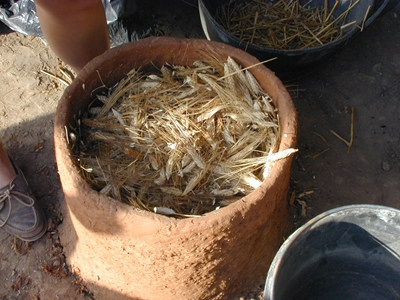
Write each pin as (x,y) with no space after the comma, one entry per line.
(40,265)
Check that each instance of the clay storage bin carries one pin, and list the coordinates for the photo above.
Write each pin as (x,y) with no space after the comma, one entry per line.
(121,252)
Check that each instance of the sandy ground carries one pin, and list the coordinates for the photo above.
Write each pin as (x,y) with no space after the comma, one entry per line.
(364,76)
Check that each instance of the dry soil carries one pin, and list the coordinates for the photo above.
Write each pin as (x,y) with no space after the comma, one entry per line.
(364,77)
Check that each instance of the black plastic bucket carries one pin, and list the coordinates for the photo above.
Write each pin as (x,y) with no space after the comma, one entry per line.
(290,63)
(352,252)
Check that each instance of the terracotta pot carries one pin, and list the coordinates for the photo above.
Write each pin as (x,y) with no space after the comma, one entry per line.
(123,253)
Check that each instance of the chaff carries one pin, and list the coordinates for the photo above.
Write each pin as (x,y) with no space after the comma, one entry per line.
(182,140)
(66,81)
(284,25)
(348,143)
(323,151)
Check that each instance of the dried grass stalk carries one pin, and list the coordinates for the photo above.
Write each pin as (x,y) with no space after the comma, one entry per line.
(182,140)
(284,25)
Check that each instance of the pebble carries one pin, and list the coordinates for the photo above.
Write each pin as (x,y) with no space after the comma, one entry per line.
(377,68)
(386,166)
(56,263)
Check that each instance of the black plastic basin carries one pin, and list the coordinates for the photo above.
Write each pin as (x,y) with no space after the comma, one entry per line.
(290,63)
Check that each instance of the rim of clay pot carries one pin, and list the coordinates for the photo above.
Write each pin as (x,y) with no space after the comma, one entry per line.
(157,51)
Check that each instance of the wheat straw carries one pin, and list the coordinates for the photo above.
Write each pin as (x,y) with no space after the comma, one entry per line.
(284,25)
(182,140)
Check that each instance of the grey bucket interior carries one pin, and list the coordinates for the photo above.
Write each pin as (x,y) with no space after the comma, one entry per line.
(352,252)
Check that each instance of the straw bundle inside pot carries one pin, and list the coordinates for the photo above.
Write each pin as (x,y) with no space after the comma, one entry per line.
(181,140)
(284,25)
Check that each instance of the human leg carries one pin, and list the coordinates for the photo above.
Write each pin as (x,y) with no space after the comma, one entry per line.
(76,30)
(7,172)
